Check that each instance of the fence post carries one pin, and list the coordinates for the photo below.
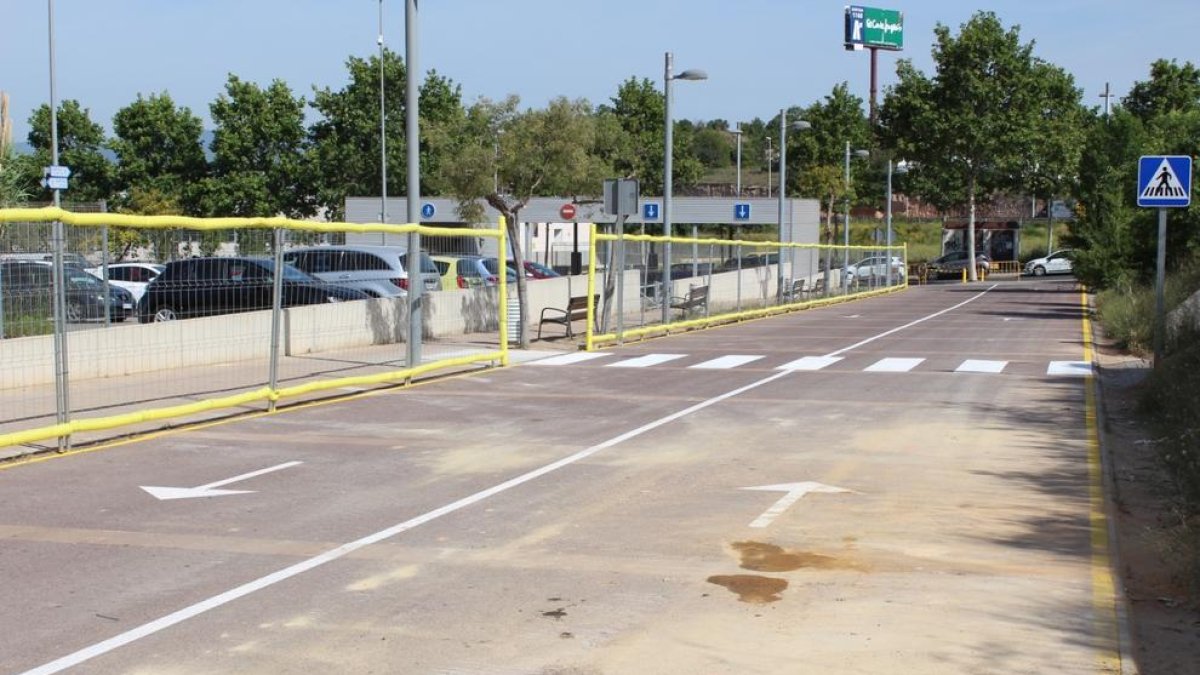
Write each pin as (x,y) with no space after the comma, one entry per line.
(276,315)
(62,379)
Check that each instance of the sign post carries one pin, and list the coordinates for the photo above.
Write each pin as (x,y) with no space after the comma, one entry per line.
(1164,182)
(873,28)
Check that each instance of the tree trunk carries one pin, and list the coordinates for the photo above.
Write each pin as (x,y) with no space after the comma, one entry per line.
(510,217)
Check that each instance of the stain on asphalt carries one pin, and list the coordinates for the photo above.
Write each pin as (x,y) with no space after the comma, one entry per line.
(751,588)
(555,614)
(760,557)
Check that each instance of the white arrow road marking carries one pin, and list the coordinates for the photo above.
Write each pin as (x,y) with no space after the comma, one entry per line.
(795,492)
(165,493)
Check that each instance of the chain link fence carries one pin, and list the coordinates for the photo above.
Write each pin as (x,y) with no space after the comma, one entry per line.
(647,285)
(167,319)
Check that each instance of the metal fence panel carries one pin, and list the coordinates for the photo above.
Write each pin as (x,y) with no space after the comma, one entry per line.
(171,318)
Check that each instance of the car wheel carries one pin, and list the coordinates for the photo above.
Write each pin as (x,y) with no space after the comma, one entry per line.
(74,312)
(165,314)
(1039,271)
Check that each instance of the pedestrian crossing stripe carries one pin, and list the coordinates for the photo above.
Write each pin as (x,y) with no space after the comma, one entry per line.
(1164,181)
(811,363)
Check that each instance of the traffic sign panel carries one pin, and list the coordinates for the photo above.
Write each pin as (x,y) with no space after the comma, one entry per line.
(1164,181)
(55,183)
(650,211)
(427,210)
(58,172)
(567,211)
(741,211)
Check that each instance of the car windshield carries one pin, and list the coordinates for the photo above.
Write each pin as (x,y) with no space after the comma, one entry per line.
(77,277)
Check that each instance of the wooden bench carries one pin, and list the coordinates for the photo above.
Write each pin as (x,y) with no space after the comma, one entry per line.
(798,290)
(576,310)
(697,297)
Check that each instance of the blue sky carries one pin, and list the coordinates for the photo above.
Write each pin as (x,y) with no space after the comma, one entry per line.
(761,55)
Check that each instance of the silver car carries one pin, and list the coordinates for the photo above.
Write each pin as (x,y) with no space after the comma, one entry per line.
(378,271)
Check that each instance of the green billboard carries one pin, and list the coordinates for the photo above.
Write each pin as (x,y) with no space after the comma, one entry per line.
(874,28)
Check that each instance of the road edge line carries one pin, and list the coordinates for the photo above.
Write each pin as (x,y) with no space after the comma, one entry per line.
(1109,600)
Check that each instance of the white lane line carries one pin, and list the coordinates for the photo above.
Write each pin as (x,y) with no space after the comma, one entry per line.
(811,363)
(261,583)
(977,366)
(157,625)
(1070,368)
(726,362)
(910,324)
(646,361)
(893,365)
(568,359)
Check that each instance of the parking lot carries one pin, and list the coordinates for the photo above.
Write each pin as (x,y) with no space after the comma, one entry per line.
(898,484)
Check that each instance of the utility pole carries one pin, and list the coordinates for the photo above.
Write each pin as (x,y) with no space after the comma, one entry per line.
(1107,96)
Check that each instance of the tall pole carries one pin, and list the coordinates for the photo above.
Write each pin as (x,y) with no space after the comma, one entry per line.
(887,254)
(738,189)
(846,221)
(382,128)
(782,196)
(668,141)
(61,362)
(770,158)
(1107,96)
(1160,316)
(416,279)
(874,85)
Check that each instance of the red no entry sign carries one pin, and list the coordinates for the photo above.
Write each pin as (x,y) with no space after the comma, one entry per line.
(567,211)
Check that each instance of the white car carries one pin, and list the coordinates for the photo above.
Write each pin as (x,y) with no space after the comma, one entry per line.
(133,277)
(1059,262)
(868,268)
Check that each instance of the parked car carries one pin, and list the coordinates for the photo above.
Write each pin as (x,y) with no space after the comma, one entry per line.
(952,264)
(28,286)
(212,286)
(378,271)
(875,268)
(133,276)
(470,271)
(1059,262)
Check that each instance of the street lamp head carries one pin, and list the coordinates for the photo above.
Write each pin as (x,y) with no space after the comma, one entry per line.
(862,153)
(801,125)
(691,74)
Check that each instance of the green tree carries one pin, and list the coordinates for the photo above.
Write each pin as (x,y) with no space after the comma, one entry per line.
(260,166)
(1171,88)
(640,110)
(346,139)
(714,147)
(159,152)
(536,152)
(80,143)
(972,128)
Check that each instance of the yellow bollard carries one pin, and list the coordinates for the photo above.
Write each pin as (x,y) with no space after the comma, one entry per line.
(964,275)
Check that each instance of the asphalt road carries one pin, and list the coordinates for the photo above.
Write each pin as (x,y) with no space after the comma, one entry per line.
(592,517)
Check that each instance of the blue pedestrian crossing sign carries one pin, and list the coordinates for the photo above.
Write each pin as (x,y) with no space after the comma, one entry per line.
(741,211)
(650,211)
(1164,181)
(427,210)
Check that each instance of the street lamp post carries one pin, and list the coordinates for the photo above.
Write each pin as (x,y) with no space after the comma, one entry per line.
(770,158)
(846,215)
(668,147)
(892,168)
(382,128)
(413,159)
(799,125)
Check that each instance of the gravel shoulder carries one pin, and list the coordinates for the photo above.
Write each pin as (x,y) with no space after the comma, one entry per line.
(1163,611)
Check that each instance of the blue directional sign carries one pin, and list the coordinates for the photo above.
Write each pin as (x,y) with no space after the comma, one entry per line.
(741,211)
(427,210)
(1164,181)
(650,211)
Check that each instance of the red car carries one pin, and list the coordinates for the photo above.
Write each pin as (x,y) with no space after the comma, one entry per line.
(535,270)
